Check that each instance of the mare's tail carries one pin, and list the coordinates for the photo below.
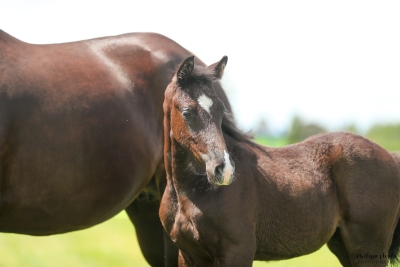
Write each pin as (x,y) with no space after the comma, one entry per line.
(395,246)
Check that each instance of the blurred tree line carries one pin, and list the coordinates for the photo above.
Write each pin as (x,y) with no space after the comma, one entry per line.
(386,135)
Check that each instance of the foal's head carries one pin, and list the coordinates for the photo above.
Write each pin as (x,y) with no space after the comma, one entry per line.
(193,117)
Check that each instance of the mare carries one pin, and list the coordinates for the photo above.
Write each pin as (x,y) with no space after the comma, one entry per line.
(81,134)
(229,201)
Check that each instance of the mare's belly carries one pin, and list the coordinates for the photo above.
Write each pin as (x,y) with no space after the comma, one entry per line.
(62,207)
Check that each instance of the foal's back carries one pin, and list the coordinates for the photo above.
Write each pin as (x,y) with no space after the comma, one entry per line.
(308,190)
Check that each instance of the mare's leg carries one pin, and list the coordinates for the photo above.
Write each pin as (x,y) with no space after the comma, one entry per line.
(143,213)
(156,245)
(154,242)
(336,245)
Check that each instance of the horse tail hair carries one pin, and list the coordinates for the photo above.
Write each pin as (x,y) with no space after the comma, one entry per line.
(395,246)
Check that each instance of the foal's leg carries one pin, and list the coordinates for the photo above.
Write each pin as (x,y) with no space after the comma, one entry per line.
(238,258)
(336,245)
(231,257)
(170,252)
(237,255)
(182,262)
(368,186)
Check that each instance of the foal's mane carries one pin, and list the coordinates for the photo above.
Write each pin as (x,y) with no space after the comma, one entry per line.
(229,128)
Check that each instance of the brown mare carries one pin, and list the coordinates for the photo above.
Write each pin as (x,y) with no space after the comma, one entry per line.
(337,188)
(81,134)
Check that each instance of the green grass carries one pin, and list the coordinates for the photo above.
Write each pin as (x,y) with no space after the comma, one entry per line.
(110,244)
(271,141)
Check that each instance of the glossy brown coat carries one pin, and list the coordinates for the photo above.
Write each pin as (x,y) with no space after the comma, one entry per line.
(336,188)
(81,134)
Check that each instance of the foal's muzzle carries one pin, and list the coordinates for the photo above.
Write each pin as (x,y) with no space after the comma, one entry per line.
(220,169)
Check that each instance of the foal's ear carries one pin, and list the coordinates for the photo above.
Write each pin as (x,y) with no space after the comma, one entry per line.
(219,67)
(185,70)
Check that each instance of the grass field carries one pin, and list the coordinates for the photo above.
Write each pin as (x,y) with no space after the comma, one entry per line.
(110,244)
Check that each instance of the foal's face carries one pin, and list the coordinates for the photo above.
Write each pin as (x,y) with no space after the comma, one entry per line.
(196,118)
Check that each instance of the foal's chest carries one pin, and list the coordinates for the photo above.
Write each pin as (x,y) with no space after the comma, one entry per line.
(189,236)
(185,226)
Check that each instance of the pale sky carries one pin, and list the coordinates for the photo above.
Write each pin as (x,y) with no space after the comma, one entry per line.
(331,62)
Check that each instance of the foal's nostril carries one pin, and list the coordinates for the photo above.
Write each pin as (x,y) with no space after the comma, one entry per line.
(219,170)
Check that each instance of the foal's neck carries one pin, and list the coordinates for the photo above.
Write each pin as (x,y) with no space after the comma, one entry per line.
(188,176)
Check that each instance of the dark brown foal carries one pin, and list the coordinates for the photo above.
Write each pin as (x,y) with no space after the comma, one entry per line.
(336,188)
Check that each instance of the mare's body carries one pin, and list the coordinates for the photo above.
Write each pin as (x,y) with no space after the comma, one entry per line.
(81,134)
(336,188)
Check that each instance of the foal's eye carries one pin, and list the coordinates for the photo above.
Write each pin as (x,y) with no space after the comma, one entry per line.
(186,114)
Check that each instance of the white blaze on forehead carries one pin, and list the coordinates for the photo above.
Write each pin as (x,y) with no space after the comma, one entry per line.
(205,102)
(228,169)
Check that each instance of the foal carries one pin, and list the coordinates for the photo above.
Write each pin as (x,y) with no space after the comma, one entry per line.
(336,188)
